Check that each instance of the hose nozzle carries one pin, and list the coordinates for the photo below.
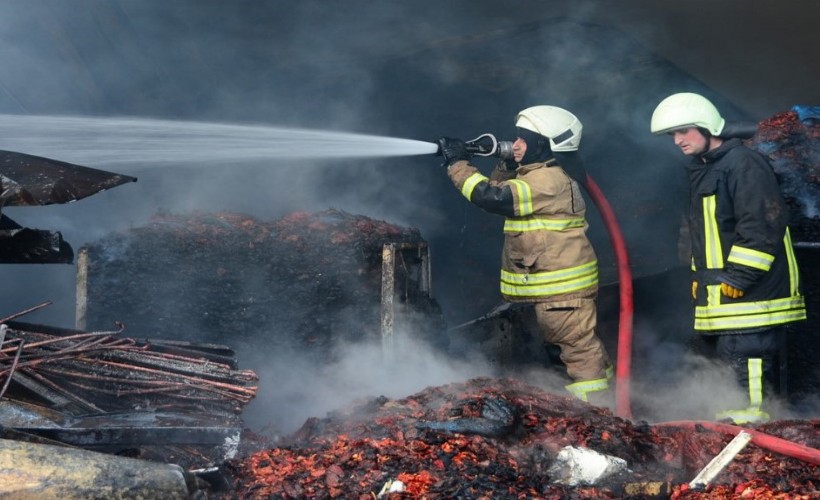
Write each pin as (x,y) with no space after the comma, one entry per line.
(488,145)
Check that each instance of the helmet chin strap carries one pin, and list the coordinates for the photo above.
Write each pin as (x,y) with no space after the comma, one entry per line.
(708,136)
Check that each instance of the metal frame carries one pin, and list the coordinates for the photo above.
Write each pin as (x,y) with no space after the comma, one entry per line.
(389,251)
(81,297)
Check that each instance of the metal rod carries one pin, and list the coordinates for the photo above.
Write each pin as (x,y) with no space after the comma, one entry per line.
(13,367)
(62,392)
(721,460)
(63,339)
(26,311)
(806,244)
(426,273)
(388,293)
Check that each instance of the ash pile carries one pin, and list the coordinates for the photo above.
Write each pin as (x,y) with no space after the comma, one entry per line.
(303,283)
(501,438)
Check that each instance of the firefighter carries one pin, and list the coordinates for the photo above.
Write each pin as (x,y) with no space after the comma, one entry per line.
(547,259)
(746,285)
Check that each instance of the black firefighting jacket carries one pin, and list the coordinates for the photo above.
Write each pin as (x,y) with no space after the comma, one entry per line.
(737,222)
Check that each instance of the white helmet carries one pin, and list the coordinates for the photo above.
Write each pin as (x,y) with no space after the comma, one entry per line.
(561,127)
(686,110)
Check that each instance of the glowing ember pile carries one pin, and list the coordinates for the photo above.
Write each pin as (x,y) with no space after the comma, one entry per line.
(304,282)
(490,438)
(793,146)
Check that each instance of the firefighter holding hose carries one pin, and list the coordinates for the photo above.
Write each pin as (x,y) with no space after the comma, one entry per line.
(746,285)
(547,259)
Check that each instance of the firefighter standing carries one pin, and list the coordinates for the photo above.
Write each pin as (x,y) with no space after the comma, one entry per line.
(547,259)
(746,283)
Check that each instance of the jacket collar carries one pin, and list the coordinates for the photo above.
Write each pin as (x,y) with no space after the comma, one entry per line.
(719,152)
(532,166)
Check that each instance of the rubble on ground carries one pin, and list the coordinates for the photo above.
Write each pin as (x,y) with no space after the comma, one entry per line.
(444,442)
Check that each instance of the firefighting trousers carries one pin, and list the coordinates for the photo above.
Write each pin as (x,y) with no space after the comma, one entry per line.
(753,357)
(571,326)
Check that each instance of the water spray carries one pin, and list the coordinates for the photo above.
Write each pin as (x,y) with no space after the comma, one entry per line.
(148,142)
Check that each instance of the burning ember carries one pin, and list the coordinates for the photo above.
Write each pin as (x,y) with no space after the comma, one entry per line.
(304,281)
(793,146)
(489,438)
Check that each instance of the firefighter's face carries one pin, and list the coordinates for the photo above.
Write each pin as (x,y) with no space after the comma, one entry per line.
(519,149)
(690,141)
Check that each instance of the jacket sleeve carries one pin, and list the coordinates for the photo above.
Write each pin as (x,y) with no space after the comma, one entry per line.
(760,221)
(494,196)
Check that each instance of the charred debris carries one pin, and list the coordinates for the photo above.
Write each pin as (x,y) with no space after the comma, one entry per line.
(168,401)
(303,283)
(27,180)
(500,438)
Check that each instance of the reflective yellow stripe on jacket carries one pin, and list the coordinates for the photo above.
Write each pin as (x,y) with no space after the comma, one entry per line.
(470,184)
(794,275)
(714,253)
(750,314)
(523,197)
(541,224)
(567,280)
(740,315)
(751,258)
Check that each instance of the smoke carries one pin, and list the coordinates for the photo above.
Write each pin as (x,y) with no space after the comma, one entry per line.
(293,388)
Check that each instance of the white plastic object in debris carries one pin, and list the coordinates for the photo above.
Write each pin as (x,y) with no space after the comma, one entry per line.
(576,466)
(721,460)
(391,486)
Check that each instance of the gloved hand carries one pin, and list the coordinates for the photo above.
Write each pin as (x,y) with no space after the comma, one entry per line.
(730,291)
(694,290)
(453,150)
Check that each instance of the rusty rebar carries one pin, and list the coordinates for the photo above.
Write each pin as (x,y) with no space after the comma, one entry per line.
(13,367)
(184,377)
(26,311)
(56,388)
(56,340)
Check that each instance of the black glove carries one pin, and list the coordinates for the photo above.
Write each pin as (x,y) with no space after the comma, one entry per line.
(453,150)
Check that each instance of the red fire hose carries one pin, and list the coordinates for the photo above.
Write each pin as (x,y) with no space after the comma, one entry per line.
(767,441)
(623,408)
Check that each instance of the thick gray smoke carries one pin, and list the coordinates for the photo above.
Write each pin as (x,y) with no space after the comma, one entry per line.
(223,106)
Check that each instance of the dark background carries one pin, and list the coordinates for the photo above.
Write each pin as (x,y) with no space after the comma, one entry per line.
(417,70)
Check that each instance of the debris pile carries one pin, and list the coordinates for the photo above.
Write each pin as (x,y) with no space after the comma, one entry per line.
(101,372)
(498,438)
(791,140)
(302,282)
(164,400)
